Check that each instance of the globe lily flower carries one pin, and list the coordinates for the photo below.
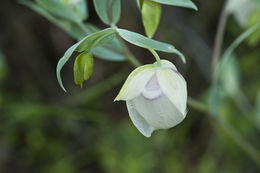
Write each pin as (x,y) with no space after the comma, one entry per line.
(156,97)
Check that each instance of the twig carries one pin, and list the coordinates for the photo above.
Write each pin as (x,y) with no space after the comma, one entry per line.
(219,38)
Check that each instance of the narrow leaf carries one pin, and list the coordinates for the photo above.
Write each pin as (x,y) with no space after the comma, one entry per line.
(83,68)
(115,11)
(108,10)
(142,41)
(101,9)
(179,3)
(151,13)
(86,44)
(96,39)
(70,27)
(64,10)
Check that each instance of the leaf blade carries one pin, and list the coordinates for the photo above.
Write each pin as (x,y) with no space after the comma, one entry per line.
(179,3)
(101,9)
(115,11)
(81,46)
(144,42)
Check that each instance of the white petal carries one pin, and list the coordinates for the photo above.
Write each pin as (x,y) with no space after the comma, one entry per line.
(159,113)
(167,64)
(174,87)
(136,82)
(152,89)
(139,122)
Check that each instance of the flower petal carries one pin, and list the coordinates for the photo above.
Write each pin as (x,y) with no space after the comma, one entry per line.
(159,113)
(136,82)
(167,64)
(152,89)
(174,87)
(139,122)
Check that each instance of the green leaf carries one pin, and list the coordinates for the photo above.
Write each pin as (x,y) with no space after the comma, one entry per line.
(75,12)
(142,41)
(70,27)
(86,44)
(108,10)
(151,13)
(111,52)
(96,39)
(101,9)
(179,3)
(107,54)
(80,7)
(63,61)
(115,11)
(83,68)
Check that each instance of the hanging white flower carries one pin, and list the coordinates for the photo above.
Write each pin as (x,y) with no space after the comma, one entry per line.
(156,97)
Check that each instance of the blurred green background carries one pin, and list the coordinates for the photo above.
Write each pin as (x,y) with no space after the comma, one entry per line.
(44,130)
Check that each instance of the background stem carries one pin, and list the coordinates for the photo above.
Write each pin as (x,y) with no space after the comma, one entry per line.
(219,38)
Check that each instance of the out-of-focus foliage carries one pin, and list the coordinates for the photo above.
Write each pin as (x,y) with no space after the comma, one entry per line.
(43,130)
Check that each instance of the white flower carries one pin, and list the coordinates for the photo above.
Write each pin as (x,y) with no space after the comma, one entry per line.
(156,97)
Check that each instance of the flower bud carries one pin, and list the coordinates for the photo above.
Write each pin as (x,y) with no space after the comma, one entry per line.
(156,97)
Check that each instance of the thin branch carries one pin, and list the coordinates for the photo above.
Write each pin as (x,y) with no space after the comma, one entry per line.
(219,37)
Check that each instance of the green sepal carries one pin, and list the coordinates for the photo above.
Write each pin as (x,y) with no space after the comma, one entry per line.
(83,68)
(151,14)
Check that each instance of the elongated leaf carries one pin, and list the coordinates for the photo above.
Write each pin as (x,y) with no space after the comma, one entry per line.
(107,54)
(142,41)
(96,39)
(108,10)
(101,9)
(63,61)
(67,11)
(70,27)
(83,68)
(179,3)
(151,13)
(115,11)
(111,52)
(80,7)
(86,44)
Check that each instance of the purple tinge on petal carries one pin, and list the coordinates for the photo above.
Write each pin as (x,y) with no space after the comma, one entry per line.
(152,89)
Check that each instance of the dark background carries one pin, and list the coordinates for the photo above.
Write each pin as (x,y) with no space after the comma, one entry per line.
(44,130)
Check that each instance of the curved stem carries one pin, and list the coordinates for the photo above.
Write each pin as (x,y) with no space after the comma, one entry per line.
(130,57)
(156,56)
(219,38)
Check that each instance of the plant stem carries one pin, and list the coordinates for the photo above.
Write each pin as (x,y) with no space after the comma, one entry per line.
(219,37)
(156,56)
(130,57)
(198,105)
